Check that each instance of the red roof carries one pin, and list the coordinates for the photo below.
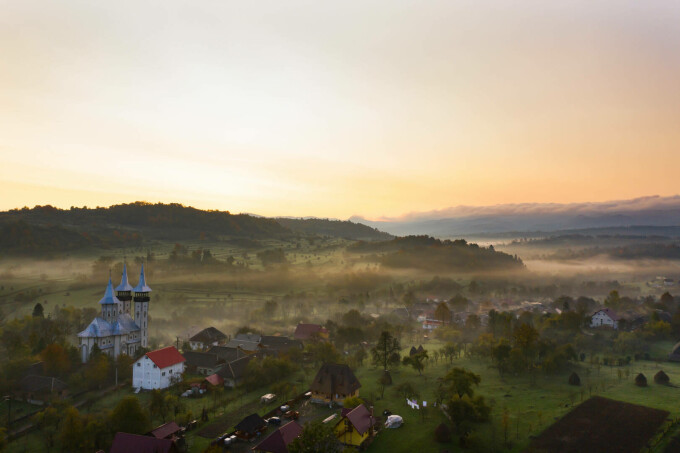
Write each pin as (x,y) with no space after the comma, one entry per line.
(126,443)
(360,418)
(215,379)
(166,357)
(165,431)
(277,442)
(306,331)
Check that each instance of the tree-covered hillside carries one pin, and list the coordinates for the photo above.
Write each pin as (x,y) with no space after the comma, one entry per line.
(335,228)
(428,253)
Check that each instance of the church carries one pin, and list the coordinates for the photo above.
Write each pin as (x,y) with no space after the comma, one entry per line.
(115,332)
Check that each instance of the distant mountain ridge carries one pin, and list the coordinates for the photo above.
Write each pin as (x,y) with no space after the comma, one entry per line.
(546,217)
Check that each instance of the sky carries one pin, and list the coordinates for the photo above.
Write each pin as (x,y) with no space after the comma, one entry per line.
(332,109)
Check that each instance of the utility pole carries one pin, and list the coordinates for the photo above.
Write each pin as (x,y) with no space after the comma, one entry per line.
(8,398)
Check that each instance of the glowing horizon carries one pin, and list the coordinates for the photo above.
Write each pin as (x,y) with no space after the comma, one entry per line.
(333,110)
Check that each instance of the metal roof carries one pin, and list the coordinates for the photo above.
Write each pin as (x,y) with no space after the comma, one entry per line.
(124,284)
(97,328)
(141,286)
(109,298)
(124,324)
(166,357)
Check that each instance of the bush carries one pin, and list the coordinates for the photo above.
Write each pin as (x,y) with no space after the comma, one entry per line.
(442,433)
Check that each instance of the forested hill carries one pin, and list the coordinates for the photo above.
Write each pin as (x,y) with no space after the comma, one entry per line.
(427,253)
(45,229)
(336,228)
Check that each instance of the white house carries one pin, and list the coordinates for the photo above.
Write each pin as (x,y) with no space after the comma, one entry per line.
(158,369)
(605,318)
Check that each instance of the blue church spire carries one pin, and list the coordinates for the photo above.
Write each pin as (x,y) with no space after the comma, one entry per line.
(141,286)
(124,284)
(109,298)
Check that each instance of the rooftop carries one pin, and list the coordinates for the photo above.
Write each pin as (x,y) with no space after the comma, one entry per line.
(166,357)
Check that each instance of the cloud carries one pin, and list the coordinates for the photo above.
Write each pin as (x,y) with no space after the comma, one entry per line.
(635,205)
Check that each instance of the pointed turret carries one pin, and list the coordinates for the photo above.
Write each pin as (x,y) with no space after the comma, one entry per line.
(124,284)
(141,301)
(109,298)
(110,304)
(141,286)
(124,290)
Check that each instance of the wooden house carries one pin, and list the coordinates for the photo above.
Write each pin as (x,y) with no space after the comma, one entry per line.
(334,383)
(355,426)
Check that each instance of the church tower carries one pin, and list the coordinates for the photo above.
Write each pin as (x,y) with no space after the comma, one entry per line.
(124,291)
(110,304)
(141,301)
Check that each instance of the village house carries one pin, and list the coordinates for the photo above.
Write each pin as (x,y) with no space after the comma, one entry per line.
(232,373)
(333,383)
(206,338)
(605,317)
(280,345)
(307,332)
(158,369)
(203,363)
(355,426)
(227,354)
(277,442)
(246,342)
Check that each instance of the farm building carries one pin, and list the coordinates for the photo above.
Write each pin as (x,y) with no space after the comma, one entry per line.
(605,318)
(158,369)
(334,383)
(601,425)
(277,442)
(355,426)
(207,337)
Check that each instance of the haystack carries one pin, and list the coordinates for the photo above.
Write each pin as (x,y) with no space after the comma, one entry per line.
(641,380)
(574,379)
(662,378)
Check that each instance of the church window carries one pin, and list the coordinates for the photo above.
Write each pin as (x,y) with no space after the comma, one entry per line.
(163,373)
(139,363)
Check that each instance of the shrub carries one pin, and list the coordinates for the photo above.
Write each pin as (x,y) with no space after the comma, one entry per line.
(442,433)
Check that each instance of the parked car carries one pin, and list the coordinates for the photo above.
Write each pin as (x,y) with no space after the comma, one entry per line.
(274,421)
(292,415)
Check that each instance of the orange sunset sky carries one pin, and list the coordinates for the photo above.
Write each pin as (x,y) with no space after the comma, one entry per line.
(337,108)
